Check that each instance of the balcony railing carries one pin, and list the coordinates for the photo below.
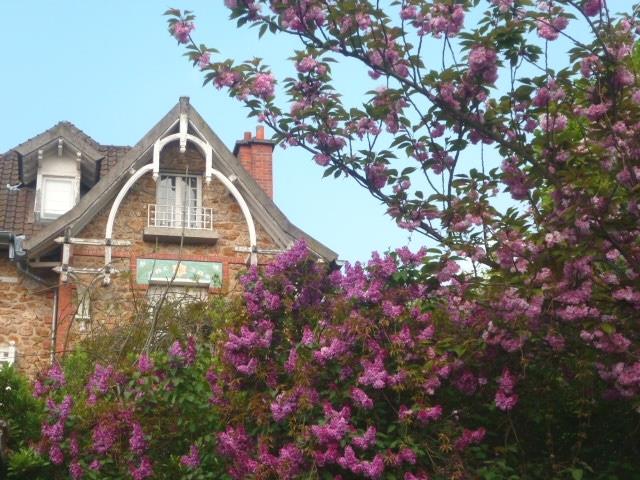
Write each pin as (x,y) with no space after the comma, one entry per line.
(172,216)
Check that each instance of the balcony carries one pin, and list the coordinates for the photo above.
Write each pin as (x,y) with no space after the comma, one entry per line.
(172,223)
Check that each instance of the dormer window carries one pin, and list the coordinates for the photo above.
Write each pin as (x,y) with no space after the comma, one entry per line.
(58,196)
(57,181)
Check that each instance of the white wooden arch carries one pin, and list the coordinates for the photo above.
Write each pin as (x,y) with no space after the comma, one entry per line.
(154,167)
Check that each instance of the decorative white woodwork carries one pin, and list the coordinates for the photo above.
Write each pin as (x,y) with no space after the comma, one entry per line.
(183,136)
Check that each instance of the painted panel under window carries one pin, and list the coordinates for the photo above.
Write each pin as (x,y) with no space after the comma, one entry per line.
(149,269)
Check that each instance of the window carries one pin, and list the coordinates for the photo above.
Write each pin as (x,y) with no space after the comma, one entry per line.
(58,196)
(8,354)
(83,311)
(176,294)
(179,198)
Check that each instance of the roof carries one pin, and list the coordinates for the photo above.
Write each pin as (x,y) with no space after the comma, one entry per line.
(114,171)
(15,214)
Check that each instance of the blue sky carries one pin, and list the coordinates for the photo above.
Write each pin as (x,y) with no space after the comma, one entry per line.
(111,68)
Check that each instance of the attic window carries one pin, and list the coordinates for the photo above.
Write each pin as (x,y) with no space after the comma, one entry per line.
(58,196)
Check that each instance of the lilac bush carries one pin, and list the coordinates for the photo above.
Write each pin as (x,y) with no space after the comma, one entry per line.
(403,367)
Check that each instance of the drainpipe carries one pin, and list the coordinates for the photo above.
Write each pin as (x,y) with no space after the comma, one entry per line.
(54,326)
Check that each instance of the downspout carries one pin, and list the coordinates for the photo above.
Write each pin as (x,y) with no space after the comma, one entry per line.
(54,326)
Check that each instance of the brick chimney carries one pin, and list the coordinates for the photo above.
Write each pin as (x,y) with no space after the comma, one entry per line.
(256,156)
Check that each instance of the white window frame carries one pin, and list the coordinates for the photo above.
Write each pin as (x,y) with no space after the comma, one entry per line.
(173,213)
(180,188)
(8,354)
(73,192)
(180,294)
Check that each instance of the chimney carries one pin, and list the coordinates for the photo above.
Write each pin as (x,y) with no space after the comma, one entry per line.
(256,156)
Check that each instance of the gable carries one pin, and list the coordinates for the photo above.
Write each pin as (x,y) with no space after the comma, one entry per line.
(261,207)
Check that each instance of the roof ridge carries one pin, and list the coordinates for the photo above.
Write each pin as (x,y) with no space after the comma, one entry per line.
(74,130)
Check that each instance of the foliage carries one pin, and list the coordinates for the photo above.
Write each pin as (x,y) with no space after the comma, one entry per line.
(359,374)
(22,414)
(19,409)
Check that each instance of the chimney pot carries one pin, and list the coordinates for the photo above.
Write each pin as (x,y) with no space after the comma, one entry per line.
(247,135)
(260,132)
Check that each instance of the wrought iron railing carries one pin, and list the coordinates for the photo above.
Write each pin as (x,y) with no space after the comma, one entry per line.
(172,216)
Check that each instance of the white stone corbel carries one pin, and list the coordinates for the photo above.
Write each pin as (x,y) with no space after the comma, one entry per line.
(60,143)
(184,126)
(40,154)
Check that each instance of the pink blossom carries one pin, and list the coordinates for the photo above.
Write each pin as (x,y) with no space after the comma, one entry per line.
(306,65)
(469,437)
(483,63)
(549,28)
(203,60)
(263,85)
(429,414)
(592,7)
(553,123)
(181,31)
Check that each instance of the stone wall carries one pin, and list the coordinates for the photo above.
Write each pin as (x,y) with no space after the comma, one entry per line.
(26,312)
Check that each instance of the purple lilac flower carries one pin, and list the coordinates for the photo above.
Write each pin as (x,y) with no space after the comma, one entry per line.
(75,471)
(469,437)
(145,364)
(361,399)
(99,382)
(142,471)
(104,437)
(56,375)
(192,459)
(137,442)
(55,454)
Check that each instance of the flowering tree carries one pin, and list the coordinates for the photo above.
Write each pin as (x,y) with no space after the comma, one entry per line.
(462,83)
(565,253)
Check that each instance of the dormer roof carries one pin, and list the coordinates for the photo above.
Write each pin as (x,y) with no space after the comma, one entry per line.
(62,137)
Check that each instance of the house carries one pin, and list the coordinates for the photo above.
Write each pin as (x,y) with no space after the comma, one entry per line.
(83,226)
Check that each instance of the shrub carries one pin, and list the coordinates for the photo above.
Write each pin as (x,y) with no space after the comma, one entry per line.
(394,369)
